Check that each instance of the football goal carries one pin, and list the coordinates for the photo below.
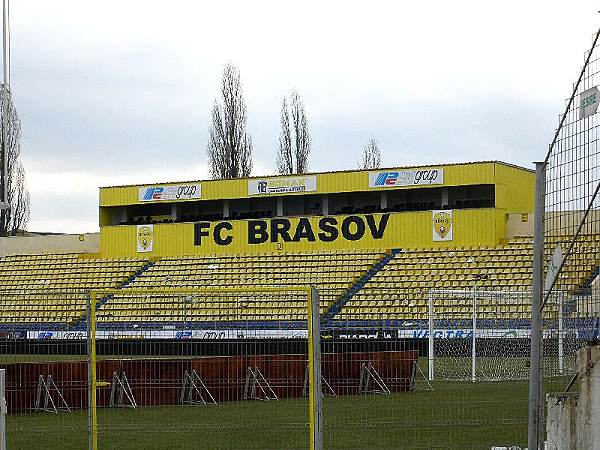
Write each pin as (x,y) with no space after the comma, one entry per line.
(482,335)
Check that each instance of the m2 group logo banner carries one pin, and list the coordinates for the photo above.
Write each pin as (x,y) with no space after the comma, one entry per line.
(176,192)
(442,225)
(394,178)
(282,185)
(145,238)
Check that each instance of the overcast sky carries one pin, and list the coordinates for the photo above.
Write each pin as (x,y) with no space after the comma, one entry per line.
(120,92)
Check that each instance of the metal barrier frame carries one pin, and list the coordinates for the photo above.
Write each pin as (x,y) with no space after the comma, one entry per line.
(315,412)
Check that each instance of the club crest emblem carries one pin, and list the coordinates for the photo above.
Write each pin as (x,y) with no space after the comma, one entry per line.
(145,238)
(442,225)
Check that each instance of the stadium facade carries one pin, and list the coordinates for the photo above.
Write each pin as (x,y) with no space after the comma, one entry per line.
(470,204)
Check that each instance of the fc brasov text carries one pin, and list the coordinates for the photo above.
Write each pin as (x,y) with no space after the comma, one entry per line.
(327,229)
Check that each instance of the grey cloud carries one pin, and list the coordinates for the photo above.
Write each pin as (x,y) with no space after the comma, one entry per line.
(129,105)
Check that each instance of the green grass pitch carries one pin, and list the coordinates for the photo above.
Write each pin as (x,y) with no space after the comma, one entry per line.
(454,415)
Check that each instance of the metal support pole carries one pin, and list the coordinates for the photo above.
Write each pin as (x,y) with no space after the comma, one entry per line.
(430,338)
(535,379)
(89,369)
(5,102)
(91,348)
(474,328)
(6,42)
(560,335)
(314,369)
(2,410)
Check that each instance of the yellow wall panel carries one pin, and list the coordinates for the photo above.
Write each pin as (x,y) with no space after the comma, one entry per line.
(403,230)
(501,196)
(518,188)
(514,188)
(519,179)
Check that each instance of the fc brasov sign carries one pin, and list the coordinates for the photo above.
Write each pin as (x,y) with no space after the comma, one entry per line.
(442,225)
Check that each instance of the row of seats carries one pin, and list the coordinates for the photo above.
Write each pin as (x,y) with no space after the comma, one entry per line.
(205,307)
(52,288)
(333,272)
(402,288)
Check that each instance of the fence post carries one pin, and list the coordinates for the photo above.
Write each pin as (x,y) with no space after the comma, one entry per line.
(534,434)
(2,410)
(91,351)
(560,335)
(474,329)
(430,338)
(314,366)
(89,368)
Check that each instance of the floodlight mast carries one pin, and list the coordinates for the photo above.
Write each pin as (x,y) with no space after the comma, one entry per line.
(5,101)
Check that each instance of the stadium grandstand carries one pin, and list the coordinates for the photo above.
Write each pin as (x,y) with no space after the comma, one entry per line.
(374,243)
(371,241)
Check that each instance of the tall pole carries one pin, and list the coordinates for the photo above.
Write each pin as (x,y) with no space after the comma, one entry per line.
(2,410)
(314,371)
(473,342)
(6,42)
(561,351)
(535,378)
(89,368)
(5,106)
(91,351)
(430,339)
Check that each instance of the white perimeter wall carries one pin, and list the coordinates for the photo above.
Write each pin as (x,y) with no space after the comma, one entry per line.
(60,243)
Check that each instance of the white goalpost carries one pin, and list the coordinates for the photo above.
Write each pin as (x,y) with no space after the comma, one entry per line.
(432,327)
(483,335)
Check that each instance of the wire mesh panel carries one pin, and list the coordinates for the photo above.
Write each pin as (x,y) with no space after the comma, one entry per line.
(42,349)
(379,389)
(171,368)
(571,226)
(568,186)
(42,343)
(226,368)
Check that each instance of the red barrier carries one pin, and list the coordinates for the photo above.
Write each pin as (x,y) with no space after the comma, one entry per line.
(159,381)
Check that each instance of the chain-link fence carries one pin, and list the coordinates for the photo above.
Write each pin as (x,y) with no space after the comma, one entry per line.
(229,368)
(160,368)
(431,368)
(568,186)
(43,351)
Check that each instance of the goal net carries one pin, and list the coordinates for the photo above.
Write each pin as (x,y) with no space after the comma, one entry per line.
(478,335)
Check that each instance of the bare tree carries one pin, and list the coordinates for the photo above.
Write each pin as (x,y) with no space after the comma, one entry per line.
(371,156)
(20,209)
(16,218)
(285,157)
(229,144)
(292,156)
